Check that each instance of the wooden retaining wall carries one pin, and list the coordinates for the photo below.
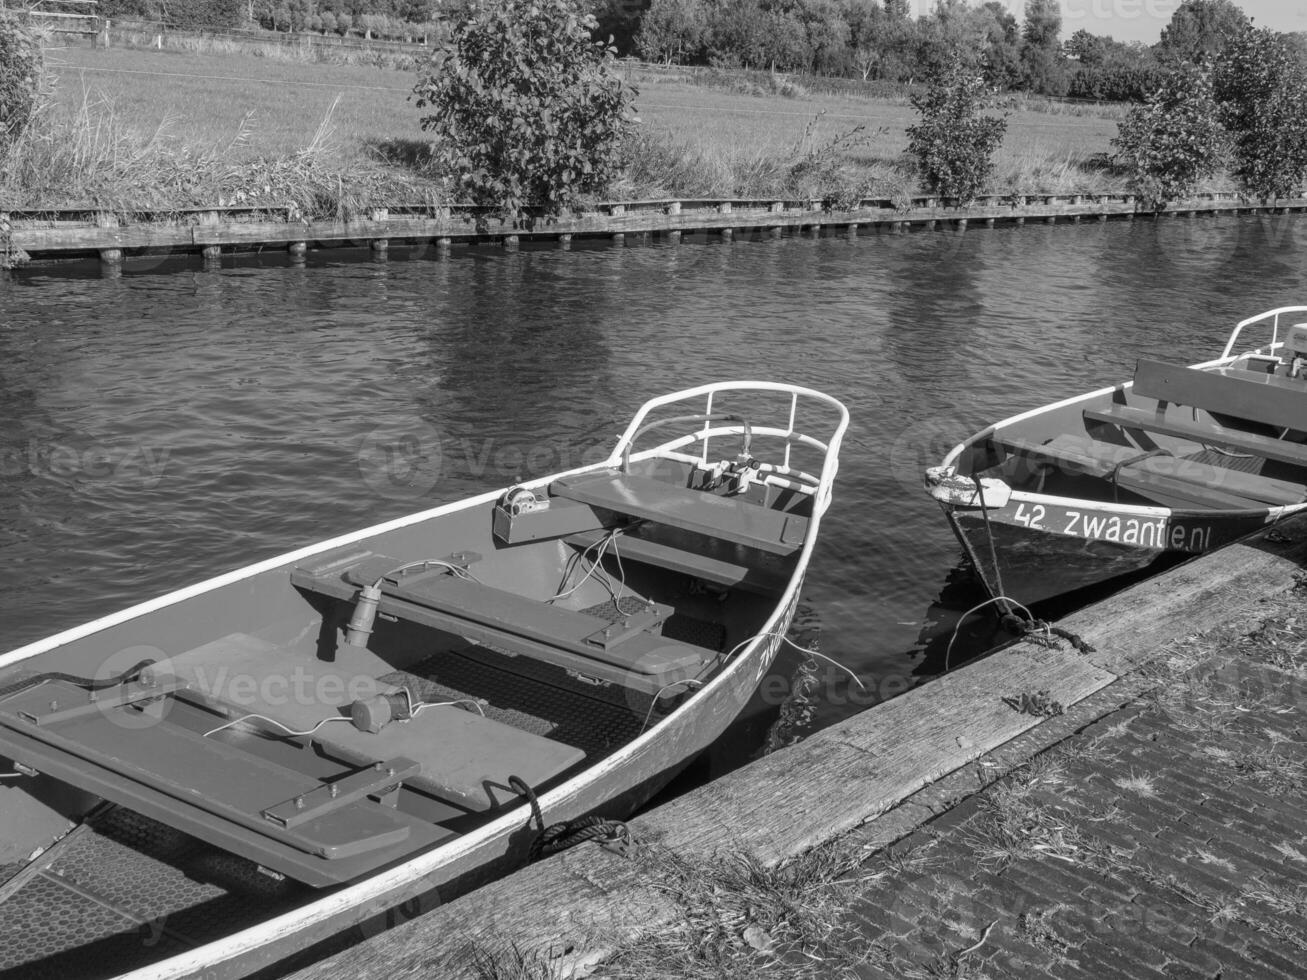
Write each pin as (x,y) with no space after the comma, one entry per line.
(884,771)
(54,235)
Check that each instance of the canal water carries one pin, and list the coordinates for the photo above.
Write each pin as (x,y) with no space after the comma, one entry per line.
(173,423)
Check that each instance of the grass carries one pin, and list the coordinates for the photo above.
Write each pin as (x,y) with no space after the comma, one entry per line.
(148,128)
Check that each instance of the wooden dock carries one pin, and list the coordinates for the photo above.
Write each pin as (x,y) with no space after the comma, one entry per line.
(212,232)
(884,775)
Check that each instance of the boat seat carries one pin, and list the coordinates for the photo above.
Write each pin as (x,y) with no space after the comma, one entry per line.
(629,654)
(727,518)
(1254,396)
(465,757)
(1170,480)
(712,560)
(1129,417)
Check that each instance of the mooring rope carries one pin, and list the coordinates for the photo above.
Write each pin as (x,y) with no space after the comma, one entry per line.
(611,835)
(1036,630)
(998,592)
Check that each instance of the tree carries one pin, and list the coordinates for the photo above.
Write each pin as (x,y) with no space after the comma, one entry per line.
(21,63)
(953,143)
(1200,28)
(1044,68)
(1174,139)
(527,109)
(672,30)
(1261,87)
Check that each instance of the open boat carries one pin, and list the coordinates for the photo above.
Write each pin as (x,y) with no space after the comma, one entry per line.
(208,782)
(1177,462)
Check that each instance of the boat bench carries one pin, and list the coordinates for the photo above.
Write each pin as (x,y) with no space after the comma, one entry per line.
(627,653)
(1129,417)
(1170,480)
(1265,398)
(464,757)
(712,560)
(727,518)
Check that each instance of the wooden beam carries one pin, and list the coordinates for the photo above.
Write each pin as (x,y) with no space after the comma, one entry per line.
(576,907)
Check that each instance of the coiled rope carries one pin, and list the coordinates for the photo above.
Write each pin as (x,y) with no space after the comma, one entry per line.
(611,835)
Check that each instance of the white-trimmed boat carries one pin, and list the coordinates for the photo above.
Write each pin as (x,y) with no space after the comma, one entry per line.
(211,781)
(1181,460)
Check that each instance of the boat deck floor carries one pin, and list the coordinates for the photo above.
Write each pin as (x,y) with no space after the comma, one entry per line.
(121,891)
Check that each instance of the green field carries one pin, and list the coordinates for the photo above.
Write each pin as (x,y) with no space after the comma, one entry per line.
(221,112)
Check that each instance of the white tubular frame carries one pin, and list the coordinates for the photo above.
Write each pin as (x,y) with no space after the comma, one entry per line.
(778,474)
(1275,327)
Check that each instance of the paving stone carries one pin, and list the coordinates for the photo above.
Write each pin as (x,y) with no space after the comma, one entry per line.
(1114,962)
(1277,960)
(1123,919)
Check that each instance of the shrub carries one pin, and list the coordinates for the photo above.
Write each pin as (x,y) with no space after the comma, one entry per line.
(528,111)
(1174,139)
(1261,86)
(954,145)
(20,79)
(198,14)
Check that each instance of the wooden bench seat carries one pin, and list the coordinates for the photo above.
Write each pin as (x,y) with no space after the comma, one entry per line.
(465,757)
(628,655)
(712,560)
(1126,416)
(1265,398)
(1171,481)
(728,518)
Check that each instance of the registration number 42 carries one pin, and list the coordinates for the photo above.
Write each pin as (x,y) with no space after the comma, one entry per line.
(1033,518)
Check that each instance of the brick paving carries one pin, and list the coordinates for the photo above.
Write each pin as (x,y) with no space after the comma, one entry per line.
(1168,838)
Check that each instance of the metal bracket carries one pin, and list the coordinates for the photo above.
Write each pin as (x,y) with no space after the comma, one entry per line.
(61,701)
(375,780)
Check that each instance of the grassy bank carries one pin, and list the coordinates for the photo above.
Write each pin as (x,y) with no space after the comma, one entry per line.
(140,128)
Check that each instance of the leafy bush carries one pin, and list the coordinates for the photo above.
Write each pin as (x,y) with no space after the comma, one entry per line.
(198,14)
(1174,139)
(954,145)
(20,79)
(528,111)
(1261,86)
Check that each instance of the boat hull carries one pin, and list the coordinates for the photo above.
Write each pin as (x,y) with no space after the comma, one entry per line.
(280,611)
(1181,460)
(1035,564)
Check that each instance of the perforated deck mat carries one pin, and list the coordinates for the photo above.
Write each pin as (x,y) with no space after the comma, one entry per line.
(123,891)
(562,709)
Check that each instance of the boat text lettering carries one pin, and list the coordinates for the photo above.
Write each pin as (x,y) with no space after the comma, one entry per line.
(1034,520)
(1132,531)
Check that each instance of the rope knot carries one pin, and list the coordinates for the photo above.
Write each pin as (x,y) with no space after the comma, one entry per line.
(612,835)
